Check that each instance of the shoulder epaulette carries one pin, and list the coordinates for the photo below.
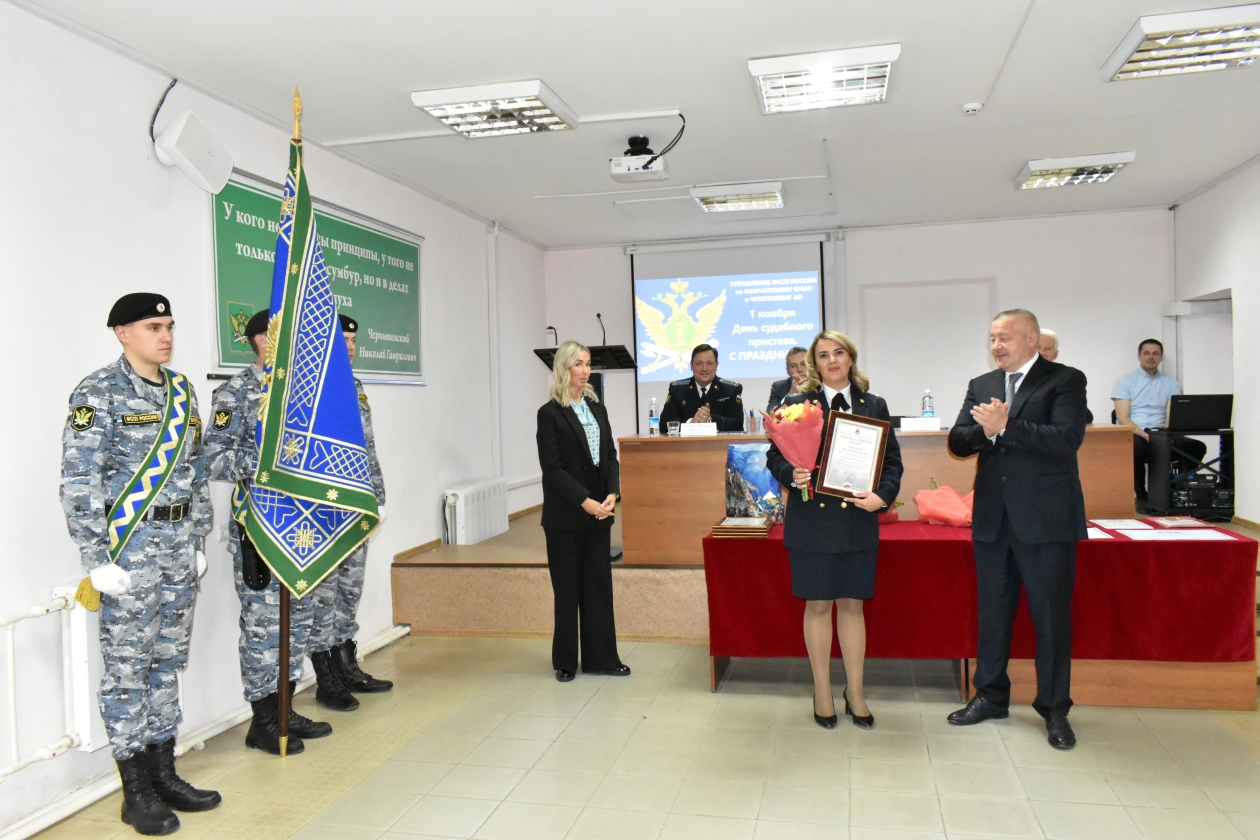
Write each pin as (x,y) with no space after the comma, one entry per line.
(727,381)
(683,382)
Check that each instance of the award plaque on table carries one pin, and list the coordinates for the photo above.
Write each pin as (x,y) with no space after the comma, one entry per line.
(853,454)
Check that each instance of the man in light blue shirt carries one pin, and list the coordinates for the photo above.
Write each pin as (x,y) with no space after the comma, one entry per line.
(1141,399)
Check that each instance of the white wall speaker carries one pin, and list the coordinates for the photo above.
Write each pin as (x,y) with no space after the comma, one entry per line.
(188,144)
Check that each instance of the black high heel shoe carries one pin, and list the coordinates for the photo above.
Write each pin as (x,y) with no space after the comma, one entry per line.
(860,722)
(824,722)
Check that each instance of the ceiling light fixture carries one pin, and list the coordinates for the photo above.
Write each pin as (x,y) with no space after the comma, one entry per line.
(495,110)
(1069,171)
(723,199)
(1187,42)
(803,82)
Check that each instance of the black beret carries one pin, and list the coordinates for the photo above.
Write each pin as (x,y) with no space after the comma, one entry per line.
(136,307)
(348,324)
(258,324)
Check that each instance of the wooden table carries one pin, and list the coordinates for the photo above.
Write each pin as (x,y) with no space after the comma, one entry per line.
(673,489)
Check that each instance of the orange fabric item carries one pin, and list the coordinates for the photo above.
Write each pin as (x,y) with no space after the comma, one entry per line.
(944,506)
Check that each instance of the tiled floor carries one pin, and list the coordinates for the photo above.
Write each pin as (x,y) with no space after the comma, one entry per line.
(478,740)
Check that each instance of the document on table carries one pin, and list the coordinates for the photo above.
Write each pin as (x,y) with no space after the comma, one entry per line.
(1098,534)
(1153,535)
(1121,524)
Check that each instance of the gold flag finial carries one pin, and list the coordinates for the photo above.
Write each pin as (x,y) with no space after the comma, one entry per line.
(297,114)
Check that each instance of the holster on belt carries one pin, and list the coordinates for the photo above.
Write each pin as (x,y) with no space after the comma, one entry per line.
(255,572)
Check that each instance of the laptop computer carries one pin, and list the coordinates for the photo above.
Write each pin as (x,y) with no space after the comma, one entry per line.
(1200,412)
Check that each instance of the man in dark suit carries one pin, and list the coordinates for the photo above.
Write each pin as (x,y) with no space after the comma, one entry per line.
(797,371)
(704,398)
(1026,420)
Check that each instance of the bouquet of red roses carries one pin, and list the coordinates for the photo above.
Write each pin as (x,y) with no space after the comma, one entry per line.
(797,431)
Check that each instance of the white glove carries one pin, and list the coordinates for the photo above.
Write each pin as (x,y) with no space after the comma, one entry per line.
(110,579)
(201,565)
(380,513)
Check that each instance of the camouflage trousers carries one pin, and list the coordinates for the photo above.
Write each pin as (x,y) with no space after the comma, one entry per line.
(144,637)
(337,601)
(260,630)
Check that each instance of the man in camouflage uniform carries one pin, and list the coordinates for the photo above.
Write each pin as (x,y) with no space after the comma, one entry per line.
(148,592)
(334,654)
(231,455)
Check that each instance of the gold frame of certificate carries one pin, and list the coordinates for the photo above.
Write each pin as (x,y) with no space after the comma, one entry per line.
(853,454)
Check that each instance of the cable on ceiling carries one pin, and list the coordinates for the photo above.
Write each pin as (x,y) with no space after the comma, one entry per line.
(671,144)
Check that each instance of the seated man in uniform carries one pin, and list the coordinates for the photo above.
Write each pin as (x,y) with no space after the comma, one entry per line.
(797,371)
(704,398)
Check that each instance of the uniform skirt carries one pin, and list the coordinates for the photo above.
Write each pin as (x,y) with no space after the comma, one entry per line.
(824,577)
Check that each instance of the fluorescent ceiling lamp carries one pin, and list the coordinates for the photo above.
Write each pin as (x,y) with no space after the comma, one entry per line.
(494,110)
(1066,172)
(1187,42)
(724,199)
(823,80)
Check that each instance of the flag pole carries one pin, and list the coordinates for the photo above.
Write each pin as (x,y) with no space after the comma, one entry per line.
(283,681)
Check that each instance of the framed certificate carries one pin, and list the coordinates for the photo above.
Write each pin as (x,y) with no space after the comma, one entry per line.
(853,454)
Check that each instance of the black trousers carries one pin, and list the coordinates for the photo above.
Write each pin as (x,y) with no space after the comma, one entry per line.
(581,581)
(1047,572)
(1142,457)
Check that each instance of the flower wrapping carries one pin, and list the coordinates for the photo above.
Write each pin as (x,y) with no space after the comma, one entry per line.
(797,431)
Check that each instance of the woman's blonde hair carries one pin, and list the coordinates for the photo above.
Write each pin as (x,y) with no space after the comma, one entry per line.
(813,381)
(566,355)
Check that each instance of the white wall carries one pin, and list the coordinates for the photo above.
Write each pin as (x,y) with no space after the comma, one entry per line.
(1218,247)
(1099,280)
(88,215)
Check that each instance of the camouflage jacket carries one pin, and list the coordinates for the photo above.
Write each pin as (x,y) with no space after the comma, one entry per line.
(114,418)
(230,451)
(365,413)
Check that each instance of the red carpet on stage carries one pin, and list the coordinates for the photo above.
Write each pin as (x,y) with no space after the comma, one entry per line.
(1160,601)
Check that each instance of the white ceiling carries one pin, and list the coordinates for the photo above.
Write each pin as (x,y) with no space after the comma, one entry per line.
(913,158)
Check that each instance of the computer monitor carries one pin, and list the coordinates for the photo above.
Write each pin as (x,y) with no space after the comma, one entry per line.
(1200,412)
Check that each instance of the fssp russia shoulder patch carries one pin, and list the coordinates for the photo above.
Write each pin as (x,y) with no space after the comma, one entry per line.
(141,419)
(82,417)
(222,419)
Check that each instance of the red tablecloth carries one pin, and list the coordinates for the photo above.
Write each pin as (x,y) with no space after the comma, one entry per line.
(1163,601)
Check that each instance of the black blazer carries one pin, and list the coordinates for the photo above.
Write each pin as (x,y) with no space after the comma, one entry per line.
(725,398)
(778,391)
(821,524)
(1031,471)
(569,475)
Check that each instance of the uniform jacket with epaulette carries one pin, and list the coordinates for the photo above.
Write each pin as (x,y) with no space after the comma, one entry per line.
(115,417)
(726,398)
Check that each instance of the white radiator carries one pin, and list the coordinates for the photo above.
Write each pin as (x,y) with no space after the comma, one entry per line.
(476,511)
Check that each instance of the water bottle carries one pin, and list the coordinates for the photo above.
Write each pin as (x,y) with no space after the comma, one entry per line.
(654,420)
(928,410)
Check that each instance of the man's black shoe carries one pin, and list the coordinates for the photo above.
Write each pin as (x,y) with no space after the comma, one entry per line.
(619,671)
(1059,732)
(978,710)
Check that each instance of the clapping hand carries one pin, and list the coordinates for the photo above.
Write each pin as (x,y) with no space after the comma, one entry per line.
(992,416)
(704,415)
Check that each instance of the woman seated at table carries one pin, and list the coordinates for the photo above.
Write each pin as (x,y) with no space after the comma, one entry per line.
(580,481)
(832,542)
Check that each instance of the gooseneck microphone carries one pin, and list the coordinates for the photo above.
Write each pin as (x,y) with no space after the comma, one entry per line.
(603,330)
(552,330)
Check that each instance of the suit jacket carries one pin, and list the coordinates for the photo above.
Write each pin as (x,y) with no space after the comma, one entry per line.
(821,524)
(570,476)
(726,398)
(778,391)
(1030,472)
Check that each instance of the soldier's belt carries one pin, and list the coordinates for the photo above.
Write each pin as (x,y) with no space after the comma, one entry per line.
(170,513)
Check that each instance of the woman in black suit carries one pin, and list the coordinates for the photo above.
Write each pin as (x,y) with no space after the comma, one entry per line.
(581,478)
(832,542)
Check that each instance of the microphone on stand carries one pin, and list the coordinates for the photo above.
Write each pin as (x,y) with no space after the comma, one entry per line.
(603,329)
(552,330)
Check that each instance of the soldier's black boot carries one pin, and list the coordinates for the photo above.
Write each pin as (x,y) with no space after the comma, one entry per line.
(330,691)
(356,680)
(302,725)
(141,808)
(264,729)
(159,761)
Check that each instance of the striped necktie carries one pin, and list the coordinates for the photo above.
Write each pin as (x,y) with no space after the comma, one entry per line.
(1012,379)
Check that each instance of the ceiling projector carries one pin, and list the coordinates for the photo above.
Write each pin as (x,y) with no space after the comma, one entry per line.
(639,163)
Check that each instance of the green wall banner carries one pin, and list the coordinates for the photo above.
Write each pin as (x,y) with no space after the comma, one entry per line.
(374,271)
